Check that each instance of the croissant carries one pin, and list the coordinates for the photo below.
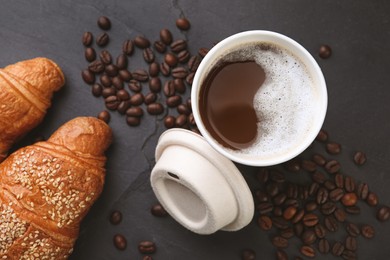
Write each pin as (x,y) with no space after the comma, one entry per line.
(26,89)
(47,188)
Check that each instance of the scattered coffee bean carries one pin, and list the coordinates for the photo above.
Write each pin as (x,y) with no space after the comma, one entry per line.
(183,24)
(155,85)
(183,109)
(319,159)
(337,249)
(291,202)
(97,90)
(158,211)
(105,57)
(128,47)
(165,69)
(104,23)
(298,229)
(148,55)
(115,217)
(279,199)
(325,51)
(248,254)
(287,233)
(328,208)
(349,184)
(367,231)
(352,229)
(351,243)
(339,180)
(141,42)
(363,191)
(355,210)
(332,166)
(155,109)
(120,242)
(272,189)
(137,99)
(336,194)
(87,39)
(117,82)
(320,230)
(289,212)
(372,199)
(104,116)
(154,69)
(322,195)
(133,120)
(121,61)
(173,101)
(313,189)
(262,175)
(308,237)
(179,72)
(298,216)
(181,121)
(333,148)
(349,255)
(308,165)
(203,52)
(178,45)
(281,255)
(279,222)
(102,40)
(171,59)
(311,206)
(146,247)
(190,78)
(329,185)
(112,102)
(277,176)
(308,251)
(88,76)
(193,63)
(179,86)
(323,246)
(349,199)
(293,166)
(150,98)
(123,106)
(135,111)
(111,91)
(135,86)
(383,213)
(96,67)
(279,242)
(359,158)
(90,54)
(111,70)
(191,120)
(318,177)
(147,257)
(340,215)
(183,56)
(310,220)
(264,208)
(322,136)
(140,75)
(166,36)
(331,224)
(159,46)
(169,121)
(169,88)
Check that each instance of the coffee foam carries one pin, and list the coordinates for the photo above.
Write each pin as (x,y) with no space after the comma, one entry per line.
(286,102)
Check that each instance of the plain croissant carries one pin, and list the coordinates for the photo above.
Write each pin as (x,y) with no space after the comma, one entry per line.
(47,188)
(26,89)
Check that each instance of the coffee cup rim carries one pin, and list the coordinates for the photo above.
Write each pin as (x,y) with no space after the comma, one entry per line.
(272,37)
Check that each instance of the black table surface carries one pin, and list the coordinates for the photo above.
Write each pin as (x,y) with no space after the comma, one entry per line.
(357,77)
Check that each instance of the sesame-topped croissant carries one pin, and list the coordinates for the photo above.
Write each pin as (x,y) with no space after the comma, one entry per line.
(26,89)
(47,188)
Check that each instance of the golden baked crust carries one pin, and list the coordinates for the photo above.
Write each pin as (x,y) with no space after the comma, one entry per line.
(47,188)
(26,89)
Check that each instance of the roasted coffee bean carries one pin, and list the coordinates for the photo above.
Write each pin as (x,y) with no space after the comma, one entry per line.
(154,69)
(281,255)
(298,216)
(349,184)
(292,191)
(97,90)
(141,42)
(133,120)
(165,69)
(279,199)
(123,95)
(166,36)
(308,237)
(111,91)
(123,106)
(323,246)
(178,45)
(147,257)
(291,202)
(333,148)
(367,231)
(179,86)
(120,242)
(330,185)
(159,46)
(277,176)
(264,222)
(102,40)
(352,229)
(96,67)
(318,177)
(158,211)
(355,210)
(169,121)
(332,166)
(322,195)
(340,215)
(337,248)
(351,243)
(155,85)
(135,86)
(309,166)
(362,191)
(293,165)
(308,251)
(117,82)
(146,247)
(104,23)
(336,194)
(262,196)
(171,59)
(298,229)
(105,57)
(191,119)
(111,70)
(289,212)
(325,51)
(169,88)
(248,254)
(90,54)
(140,75)
(383,213)
(279,222)
(193,63)
(349,199)
(311,206)
(320,230)
(181,121)
(128,47)
(121,61)
(137,99)
(112,102)
(328,208)
(287,233)
(279,242)
(272,189)
(331,224)
(319,159)
(150,98)
(348,255)
(303,192)
(183,109)
(155,109)
(359,158)
(313,188)
(116,216)
(339,180)
(310,220)
(322,136)
(148,55)
(203,52)
(183,24)
(262,175)
(265,207)
(183,56)
(87,39)
(125,75)
(174,101)
(88,76)
(179,73)
(372,199)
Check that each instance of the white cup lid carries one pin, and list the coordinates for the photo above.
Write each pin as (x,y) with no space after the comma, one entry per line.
(200,188)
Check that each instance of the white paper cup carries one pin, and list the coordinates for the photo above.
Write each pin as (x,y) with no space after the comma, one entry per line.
(298,145)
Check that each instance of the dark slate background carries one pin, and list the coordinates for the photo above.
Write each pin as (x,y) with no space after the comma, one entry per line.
(357,76)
